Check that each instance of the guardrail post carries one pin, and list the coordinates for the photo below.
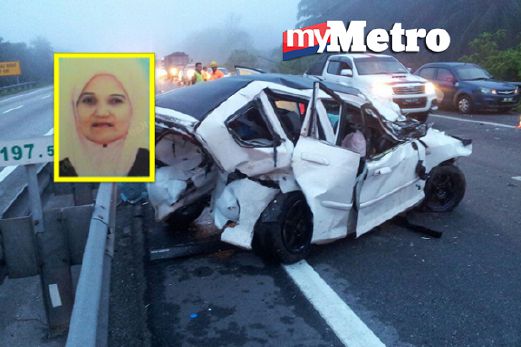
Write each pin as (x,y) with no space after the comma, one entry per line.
(34,198)
(55,272)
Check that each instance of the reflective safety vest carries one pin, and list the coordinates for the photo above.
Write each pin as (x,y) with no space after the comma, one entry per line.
(198,77)
(217,74)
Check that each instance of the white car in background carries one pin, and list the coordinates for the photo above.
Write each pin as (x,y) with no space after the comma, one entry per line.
(379,75)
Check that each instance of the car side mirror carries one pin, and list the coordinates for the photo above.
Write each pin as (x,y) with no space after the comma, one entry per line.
(346,72)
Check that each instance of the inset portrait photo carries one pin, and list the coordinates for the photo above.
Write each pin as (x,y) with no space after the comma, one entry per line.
(104,117)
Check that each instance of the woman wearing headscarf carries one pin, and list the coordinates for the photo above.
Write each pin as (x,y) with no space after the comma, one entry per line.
(103,118)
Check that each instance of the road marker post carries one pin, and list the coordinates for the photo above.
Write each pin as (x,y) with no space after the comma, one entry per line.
(45,249)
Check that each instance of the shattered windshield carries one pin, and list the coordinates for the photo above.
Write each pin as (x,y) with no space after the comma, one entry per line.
(378,65)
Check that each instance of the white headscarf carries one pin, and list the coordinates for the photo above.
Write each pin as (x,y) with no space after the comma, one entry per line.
(89,158)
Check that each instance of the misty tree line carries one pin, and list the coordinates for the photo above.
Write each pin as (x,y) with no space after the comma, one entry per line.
(502,63)
(482,31)
(36,61)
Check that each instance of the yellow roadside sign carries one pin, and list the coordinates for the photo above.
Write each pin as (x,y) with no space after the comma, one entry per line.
(10,68)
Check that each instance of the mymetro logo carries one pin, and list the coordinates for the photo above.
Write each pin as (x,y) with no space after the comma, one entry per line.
(333,36)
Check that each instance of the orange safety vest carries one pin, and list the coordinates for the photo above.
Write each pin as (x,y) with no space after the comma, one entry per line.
(216,75)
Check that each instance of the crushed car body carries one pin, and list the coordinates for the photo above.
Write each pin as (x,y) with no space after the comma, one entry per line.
(286,161)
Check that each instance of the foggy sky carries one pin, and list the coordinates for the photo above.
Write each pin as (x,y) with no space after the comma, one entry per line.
(138,25)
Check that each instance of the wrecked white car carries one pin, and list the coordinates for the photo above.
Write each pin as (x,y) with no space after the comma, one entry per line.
(277,160)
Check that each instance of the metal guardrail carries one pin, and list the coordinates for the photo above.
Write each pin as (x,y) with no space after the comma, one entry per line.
(18,86)
(18,205)
(89,322)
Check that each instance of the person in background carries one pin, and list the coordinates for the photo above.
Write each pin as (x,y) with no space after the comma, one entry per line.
(198,74)
(216,73)
(206,74)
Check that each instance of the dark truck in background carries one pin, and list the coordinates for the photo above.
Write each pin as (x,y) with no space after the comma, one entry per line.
(174,64)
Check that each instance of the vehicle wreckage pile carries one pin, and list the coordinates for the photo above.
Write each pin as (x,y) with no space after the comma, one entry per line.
(278,160)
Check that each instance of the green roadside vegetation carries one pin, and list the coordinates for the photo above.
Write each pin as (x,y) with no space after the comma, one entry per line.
(36,64)
(503,63)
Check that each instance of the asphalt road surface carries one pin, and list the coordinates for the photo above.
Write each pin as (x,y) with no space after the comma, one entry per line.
(26,114)
(391,286)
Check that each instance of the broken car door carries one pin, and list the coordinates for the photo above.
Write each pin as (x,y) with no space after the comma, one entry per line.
(325,172)
(391,185)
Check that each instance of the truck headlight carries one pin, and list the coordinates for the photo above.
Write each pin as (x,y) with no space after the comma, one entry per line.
(383,90)
(173,71)
(429,88)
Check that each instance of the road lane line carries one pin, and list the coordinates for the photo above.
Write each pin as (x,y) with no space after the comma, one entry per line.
(45,97)
(473,121)
(54,293)
(6,171)
(347,326)
(517,178)
(12,109)
(22,95)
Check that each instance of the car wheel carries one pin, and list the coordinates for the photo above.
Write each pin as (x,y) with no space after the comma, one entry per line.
(184,216)
(464,104)
(444,188)
(420,116)
(284,230)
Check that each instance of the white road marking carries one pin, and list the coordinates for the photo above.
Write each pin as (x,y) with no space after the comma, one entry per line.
(517,178)
(45,96)
(21,95)
(12,109)
(163,250)
(54,293)
(473,121)
(345,323)
(6,171)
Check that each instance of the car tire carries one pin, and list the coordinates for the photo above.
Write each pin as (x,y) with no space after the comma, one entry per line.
(284,230)
(464,104)
(184,216)
(444,189)
(420,116)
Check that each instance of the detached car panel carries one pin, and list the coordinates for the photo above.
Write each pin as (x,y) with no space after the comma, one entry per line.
(271,155)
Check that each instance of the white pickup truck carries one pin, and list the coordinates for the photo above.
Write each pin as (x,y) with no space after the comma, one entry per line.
(381,76)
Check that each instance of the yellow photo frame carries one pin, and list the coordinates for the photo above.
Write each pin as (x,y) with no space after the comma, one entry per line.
(126,137)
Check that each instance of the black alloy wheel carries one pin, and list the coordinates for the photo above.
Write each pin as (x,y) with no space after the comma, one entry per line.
(444,188)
